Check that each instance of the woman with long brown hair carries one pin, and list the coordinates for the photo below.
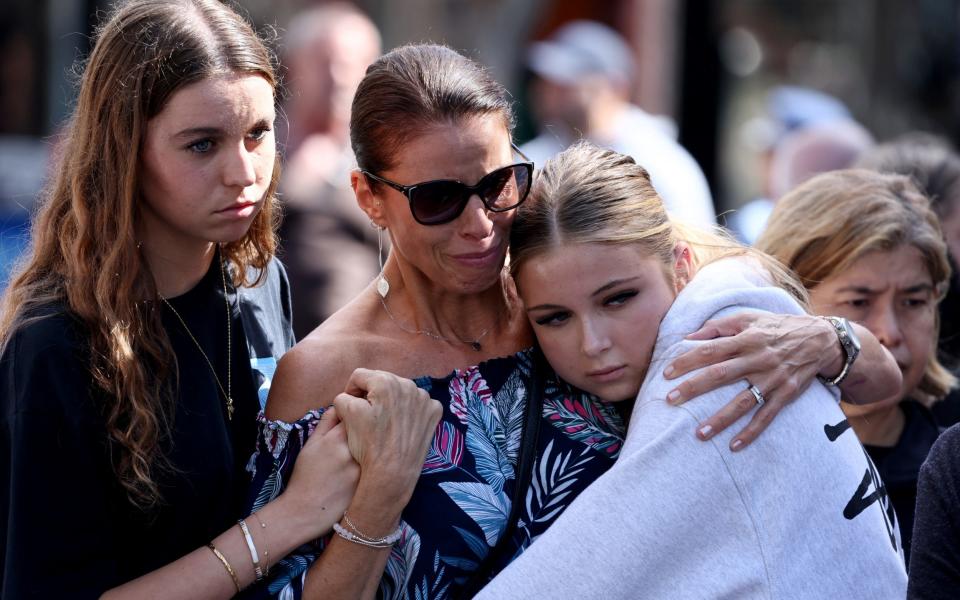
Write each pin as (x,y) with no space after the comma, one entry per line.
(139,337)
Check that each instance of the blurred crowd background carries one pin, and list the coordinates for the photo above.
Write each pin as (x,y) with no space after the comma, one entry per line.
(760,93)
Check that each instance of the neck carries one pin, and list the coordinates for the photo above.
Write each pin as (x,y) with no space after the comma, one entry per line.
(415,304)
(879,428)
(176,270)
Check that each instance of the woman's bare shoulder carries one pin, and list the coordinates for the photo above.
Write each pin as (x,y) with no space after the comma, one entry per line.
(311,374)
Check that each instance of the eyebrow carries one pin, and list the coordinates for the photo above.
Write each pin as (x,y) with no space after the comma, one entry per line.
(597,292)
(613,284)
(920,287)
(214,131)
(199,131)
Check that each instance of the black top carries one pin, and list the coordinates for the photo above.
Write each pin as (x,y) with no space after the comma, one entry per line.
(899,465)
(935,563)
(70,530)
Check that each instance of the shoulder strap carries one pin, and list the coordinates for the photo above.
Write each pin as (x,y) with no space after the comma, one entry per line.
(525,460)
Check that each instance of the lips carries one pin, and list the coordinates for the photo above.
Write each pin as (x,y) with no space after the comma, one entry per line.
(607,373)
(238,206)
(240,210)
(479,259)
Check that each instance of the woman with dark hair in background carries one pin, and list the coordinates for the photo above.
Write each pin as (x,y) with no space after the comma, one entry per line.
(150,314)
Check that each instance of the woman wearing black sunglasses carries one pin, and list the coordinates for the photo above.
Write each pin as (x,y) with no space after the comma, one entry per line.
(437,171)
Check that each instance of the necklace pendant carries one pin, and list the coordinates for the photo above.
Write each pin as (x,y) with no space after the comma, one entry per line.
(229,408)
(383,286)
(476,345)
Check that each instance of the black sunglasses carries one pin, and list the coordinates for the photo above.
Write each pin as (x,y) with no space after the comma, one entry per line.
(443,200)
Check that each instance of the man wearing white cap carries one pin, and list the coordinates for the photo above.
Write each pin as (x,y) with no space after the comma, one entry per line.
(583,90)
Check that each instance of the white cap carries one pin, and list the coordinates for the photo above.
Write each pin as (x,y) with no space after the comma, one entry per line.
(582,48)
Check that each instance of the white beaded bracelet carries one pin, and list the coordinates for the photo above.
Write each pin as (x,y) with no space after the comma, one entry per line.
(253,549)
(357,537)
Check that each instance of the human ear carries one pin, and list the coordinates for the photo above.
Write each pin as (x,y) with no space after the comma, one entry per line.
(367,200)
(682,266)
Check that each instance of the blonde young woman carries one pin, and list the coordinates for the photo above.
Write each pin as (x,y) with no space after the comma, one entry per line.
(150,315)
(868,247)
(613,289)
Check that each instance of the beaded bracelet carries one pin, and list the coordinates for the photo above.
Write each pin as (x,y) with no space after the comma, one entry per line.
(226,565)
(391,538)
(253,549)
(358,537)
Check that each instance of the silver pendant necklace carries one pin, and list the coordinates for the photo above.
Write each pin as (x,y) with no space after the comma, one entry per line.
(474,343)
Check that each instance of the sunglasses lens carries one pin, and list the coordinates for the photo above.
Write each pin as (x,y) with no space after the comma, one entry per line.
(438,202)
(507,187)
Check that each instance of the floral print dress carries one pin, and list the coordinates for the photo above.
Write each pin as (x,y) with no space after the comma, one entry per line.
(461,503)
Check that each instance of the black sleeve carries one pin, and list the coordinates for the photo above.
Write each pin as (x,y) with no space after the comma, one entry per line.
(935,558)
(54,471)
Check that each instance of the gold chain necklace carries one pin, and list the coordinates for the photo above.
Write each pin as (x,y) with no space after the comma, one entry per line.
(228,393)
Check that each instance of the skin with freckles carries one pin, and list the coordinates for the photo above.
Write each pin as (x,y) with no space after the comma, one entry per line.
(892,294)
(206,163)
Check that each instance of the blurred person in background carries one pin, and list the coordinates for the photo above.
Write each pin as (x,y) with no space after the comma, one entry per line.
(584,74)
(808,133)
(868,247)
(327,243)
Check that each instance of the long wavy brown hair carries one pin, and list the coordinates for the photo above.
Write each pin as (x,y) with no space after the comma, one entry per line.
(84,254)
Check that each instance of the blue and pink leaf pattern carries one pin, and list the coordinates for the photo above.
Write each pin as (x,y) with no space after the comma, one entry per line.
(459,507)
(445,451)
(585,420)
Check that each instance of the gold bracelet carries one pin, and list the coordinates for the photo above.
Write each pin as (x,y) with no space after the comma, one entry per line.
(266,553)
(226,565)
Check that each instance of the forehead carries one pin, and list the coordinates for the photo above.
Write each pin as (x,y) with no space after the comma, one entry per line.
(223,101)
(582,268)
(897,269)
(466,149)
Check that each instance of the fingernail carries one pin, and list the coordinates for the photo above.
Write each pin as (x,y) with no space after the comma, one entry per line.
(705,432)
(668,372)
(736,444)
(674,397)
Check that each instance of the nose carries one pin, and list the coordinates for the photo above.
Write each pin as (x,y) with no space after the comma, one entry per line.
(239,169)
(593,339)
(476,221)
(884,323)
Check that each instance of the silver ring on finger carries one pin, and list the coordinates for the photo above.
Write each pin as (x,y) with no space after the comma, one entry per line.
(757,395)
